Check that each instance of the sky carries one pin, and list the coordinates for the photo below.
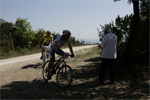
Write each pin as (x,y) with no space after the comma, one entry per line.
(81,17)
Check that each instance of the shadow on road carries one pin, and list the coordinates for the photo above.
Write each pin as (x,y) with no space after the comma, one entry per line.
(85,86)
(35,66)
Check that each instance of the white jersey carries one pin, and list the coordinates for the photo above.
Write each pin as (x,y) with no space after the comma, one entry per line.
(59,42)
(109,46)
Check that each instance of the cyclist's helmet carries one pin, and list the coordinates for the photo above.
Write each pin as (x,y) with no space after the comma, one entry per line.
(48,32)
(66,32)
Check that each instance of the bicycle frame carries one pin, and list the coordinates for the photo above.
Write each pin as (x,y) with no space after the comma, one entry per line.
(45,48)
(45,54)
(60,62)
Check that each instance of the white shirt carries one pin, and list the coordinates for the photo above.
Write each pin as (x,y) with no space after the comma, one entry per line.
(58,42)
(109,46)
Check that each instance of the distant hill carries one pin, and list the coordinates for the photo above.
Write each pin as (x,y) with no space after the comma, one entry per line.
(2,21)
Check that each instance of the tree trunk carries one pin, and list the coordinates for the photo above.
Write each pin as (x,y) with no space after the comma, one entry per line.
(131,45)
(136,10)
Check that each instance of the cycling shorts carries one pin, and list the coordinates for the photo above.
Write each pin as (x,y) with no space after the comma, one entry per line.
(53,51)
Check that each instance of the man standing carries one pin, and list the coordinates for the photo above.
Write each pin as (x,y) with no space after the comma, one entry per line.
(109,55)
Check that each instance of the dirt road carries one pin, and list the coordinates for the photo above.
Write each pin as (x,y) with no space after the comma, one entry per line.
(23,80)
(35,56)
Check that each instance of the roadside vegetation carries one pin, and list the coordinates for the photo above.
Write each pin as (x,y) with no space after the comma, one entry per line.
(19,52)
(17,39)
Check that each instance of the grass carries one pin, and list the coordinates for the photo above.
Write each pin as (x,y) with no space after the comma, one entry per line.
(18,52)
(90,52)
(4,54)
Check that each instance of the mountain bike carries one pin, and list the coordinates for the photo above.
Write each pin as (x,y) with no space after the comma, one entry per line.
(45,55)
(63,71)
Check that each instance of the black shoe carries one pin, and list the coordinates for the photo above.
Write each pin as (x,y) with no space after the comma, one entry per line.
(41,57)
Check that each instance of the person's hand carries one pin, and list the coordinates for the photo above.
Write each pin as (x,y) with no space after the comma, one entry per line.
(72,55)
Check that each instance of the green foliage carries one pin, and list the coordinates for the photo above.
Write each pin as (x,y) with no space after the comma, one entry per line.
(120,27)
(38,36)
(23,33)
(19,38)
(6,31)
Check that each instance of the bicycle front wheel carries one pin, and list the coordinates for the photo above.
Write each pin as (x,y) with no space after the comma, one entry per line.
(64,76)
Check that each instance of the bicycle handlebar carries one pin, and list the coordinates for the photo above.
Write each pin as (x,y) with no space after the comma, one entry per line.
(67,54)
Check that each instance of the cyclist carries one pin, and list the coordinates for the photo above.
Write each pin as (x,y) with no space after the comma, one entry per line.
(58,43)
(46,41)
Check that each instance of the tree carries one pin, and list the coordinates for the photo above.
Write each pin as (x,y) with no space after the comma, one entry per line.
(6,33)
(131,47)
(38,36)
(23,33)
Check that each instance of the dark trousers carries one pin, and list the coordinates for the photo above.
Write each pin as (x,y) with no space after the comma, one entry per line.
(107,65)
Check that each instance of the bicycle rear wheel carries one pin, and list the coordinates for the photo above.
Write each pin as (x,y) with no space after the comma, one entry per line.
(64,76)
(45,72)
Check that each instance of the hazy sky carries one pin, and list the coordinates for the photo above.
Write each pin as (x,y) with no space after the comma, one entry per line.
(81,17)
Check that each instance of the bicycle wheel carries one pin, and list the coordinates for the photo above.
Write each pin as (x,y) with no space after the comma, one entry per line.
(44,59)
(45,72)
(64,76)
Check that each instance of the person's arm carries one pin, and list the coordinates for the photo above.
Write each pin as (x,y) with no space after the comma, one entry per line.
(41,42)
(103,42)
(116,40)
(100,45)
(71,50)
(51,41)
